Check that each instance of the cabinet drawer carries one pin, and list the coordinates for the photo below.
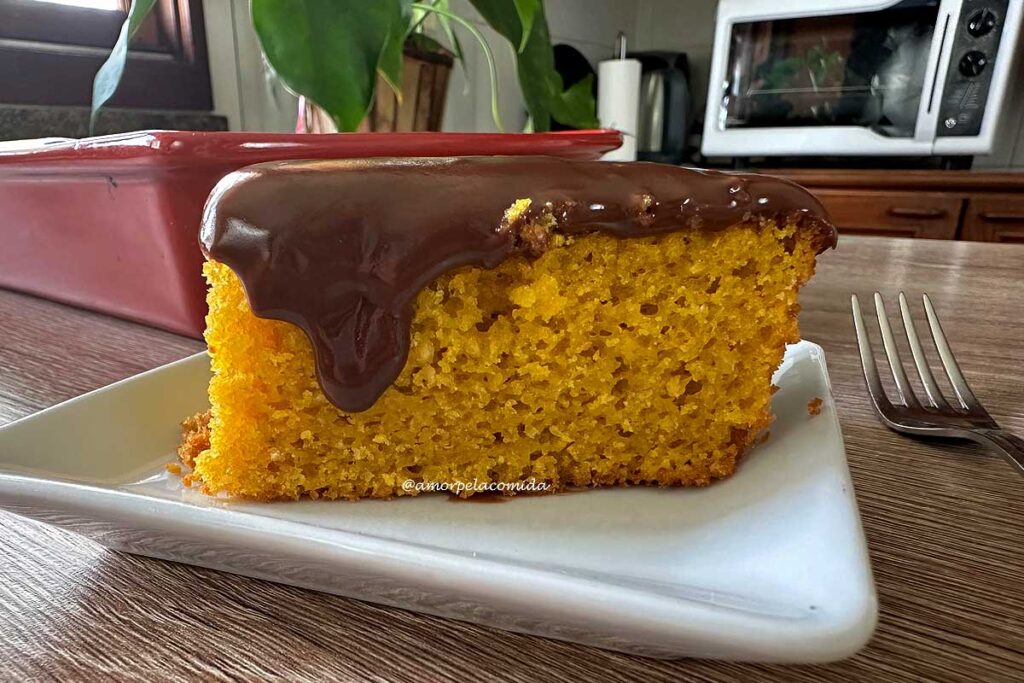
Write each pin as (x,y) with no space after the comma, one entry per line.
(895,214)
(994,218)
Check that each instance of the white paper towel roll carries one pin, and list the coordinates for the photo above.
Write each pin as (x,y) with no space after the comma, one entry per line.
(618,103)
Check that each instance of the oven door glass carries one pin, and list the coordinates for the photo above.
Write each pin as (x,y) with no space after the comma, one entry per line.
(864,69)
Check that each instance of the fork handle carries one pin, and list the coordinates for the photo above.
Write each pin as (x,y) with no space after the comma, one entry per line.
(1010,445)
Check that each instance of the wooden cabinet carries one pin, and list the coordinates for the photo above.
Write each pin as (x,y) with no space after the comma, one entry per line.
(985,206)
(894,214)
(994,218)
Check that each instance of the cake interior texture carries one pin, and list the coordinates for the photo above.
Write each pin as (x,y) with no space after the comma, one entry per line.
(602,361)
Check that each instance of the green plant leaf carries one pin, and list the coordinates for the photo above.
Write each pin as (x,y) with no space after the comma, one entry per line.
(527,10)
(105,83)
(542,86)
(329,50)
(453,39)
(503,17)
(576,104)
(416,25)
(475,32)
(390,63)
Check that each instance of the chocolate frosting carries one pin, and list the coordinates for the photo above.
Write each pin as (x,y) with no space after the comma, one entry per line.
(341,248)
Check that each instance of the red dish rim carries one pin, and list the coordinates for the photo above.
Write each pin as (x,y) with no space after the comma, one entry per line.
(170,149)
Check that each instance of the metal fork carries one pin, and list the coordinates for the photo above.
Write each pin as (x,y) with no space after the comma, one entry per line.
(936,417)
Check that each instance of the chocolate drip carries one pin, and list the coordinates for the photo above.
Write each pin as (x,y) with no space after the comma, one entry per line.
(341,248)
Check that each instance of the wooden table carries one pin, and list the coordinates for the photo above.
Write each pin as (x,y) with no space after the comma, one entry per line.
(945,525)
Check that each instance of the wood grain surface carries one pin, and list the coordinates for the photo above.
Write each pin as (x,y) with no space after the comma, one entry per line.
(944,522)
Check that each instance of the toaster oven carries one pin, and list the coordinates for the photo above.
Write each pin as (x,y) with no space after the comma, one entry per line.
(860,77)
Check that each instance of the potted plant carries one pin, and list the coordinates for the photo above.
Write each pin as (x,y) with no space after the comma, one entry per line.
(344,55)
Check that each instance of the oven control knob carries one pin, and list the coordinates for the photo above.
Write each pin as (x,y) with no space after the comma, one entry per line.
(981,23)
(973,63)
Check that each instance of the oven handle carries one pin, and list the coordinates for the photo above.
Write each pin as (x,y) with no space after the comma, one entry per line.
(936,69)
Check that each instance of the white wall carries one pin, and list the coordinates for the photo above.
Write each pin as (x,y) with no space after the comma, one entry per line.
(681,26)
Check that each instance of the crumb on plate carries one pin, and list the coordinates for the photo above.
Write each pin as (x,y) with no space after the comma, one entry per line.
(814,406)
(195,438)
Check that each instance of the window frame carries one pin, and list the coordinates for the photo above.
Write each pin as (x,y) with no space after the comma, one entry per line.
(49,54)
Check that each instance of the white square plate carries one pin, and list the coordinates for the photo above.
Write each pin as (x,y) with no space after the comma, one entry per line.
(769,565)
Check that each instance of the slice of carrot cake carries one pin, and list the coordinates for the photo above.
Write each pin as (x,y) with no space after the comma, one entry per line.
(493,320)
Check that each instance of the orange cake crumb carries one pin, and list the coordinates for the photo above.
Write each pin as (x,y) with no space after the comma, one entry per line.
(195,438)
(814,406)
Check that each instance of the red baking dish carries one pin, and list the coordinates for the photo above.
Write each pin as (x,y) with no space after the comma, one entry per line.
(110,223)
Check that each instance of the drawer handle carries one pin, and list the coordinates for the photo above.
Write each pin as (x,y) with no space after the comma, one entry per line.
(992,217)
(905,212)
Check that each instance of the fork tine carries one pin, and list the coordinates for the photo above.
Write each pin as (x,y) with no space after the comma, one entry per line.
(956,378)
(934,396)
(867,359)
(892,354)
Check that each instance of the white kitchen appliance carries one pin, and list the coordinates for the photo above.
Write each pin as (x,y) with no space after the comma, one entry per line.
(860,77)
